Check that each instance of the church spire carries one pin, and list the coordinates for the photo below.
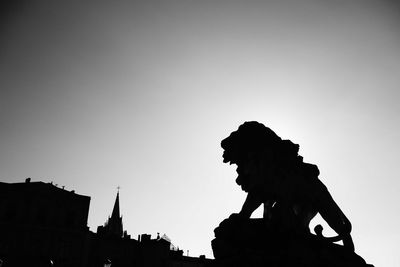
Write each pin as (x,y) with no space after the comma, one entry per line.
(113,226)
(115,212)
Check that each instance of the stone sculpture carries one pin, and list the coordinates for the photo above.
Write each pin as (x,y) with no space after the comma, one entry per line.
(272,173)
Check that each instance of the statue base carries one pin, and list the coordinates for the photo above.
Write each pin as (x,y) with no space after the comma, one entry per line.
(252,242)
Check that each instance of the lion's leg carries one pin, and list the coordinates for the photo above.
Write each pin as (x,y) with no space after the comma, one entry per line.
(252,202)
(336,219)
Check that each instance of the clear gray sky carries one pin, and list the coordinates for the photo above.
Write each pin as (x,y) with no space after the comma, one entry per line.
(96,95)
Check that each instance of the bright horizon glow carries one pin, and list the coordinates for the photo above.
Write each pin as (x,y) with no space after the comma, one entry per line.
(96,95)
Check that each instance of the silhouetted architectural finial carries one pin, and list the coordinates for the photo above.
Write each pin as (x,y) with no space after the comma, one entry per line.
(113,226)
(115,212)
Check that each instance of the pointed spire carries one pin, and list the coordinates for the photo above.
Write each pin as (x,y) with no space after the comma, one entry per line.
(113,226)
(115,212)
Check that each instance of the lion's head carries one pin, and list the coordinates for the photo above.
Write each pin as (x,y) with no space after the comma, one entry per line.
(259,154)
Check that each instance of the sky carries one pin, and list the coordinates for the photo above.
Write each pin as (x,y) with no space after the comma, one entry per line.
(139,94)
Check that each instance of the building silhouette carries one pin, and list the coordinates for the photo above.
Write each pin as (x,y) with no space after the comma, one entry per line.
(44,225)
(41,223)
(113,226)
(112,244)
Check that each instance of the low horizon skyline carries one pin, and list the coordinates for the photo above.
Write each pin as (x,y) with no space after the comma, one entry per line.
(93,228)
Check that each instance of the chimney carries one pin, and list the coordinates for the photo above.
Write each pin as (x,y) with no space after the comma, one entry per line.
(27,180)
(145,237)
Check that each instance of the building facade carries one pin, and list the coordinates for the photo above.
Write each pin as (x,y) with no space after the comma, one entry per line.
(44,225)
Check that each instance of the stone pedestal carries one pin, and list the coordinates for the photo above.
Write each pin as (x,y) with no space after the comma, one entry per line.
(252,242)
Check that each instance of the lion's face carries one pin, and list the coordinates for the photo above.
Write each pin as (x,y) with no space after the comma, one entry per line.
(251,174)
(255,171)
(245,178)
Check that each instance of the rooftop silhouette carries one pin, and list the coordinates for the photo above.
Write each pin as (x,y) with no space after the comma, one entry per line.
(44,225)
(113,226)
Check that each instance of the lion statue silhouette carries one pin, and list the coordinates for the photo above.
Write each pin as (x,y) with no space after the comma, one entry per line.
(273,174)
